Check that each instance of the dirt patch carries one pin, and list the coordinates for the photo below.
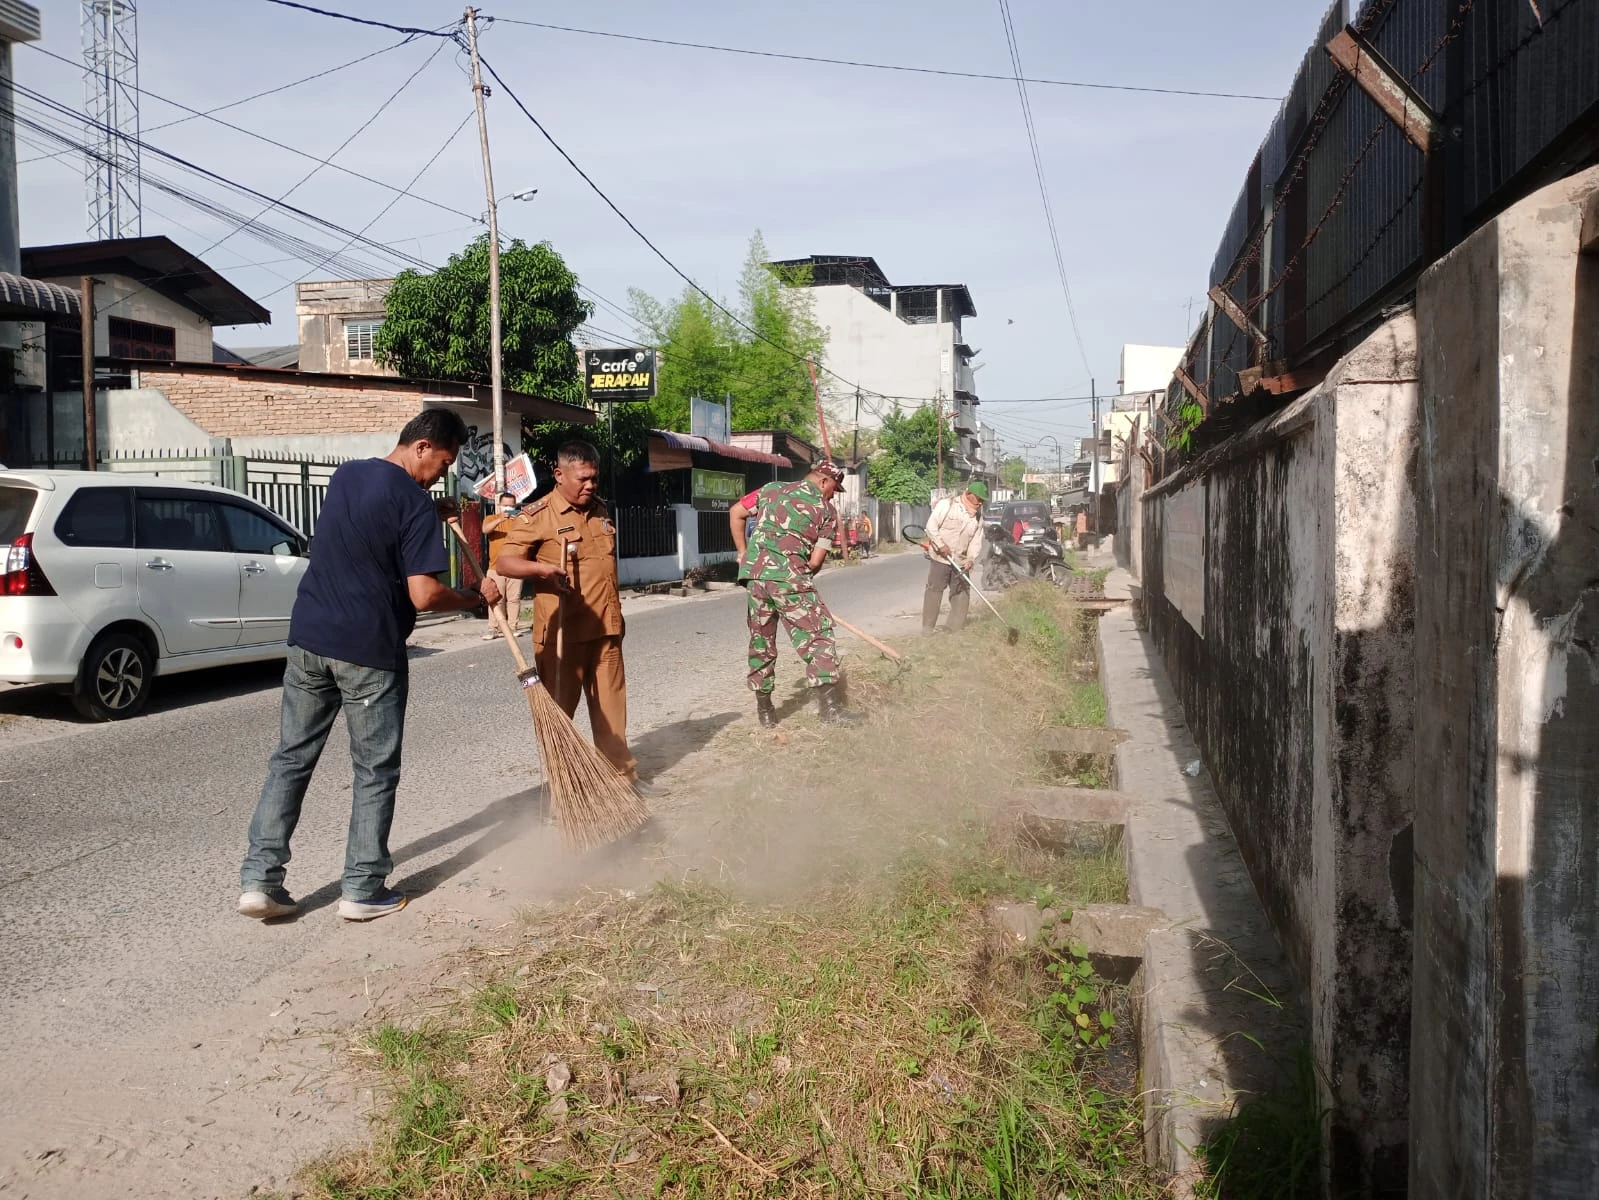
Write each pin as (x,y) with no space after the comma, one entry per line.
(799,990)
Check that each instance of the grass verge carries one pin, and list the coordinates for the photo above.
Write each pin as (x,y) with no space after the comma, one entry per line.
(812,997)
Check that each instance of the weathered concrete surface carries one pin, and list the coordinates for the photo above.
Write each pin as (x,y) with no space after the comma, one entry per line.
(1114,935)
(1220,1014)
(1085,820)
(1296,675)
(1505,1059)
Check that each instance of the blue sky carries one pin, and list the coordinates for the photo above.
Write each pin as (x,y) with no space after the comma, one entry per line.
(929,175)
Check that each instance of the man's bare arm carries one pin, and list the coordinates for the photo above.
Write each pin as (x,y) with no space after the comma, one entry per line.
(736,517)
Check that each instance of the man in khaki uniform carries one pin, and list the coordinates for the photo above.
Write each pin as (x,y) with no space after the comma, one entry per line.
(495,526)
(566,544)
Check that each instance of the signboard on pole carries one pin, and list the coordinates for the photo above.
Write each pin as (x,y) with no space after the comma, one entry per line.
(619,374)
(710,419)
(520,480)
(716,491)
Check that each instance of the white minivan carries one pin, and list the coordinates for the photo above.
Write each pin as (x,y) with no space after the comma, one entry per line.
(108,580)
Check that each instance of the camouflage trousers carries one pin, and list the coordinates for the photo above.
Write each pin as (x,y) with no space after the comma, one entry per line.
(810,629)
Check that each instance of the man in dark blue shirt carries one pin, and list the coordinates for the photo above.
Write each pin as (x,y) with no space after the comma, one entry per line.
(373,564)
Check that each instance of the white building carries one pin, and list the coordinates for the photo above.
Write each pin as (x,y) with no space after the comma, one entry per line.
(1148,368)
(903,344)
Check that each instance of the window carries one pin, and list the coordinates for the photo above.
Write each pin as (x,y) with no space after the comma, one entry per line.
(96,516)
(16,505)
(251,532)
(358,338)
(178,523)
(136,339)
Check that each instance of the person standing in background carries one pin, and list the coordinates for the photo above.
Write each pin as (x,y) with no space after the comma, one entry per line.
(495,526)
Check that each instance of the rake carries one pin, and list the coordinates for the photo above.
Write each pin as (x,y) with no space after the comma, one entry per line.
(593,803)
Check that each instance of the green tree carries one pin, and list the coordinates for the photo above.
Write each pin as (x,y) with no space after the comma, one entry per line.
(704,352)
(437,325)
(900,482)
(909,442)
(1011,472)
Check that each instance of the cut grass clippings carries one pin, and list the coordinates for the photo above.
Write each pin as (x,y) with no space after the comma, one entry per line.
(812,998)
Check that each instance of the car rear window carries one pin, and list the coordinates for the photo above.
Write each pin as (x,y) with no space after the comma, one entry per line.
(16,504)
(97,516)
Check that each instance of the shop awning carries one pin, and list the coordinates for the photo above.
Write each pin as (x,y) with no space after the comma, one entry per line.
(688,442)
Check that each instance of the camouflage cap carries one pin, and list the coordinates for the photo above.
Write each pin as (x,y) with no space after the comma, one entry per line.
(827,467)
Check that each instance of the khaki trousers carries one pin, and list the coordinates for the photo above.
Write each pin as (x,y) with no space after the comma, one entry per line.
(593,670)
(940,576)
(511,590)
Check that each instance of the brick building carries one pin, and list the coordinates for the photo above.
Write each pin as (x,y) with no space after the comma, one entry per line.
(193,405)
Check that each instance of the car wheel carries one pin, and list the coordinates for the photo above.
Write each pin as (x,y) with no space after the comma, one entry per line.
(115,679)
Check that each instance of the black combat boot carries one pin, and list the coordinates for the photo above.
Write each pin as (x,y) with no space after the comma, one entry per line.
(765,714)
(830,703)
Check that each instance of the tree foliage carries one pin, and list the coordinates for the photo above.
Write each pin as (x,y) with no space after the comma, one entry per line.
(704,352)
(1012,472)
(901,482)
(908,446)
(437,326)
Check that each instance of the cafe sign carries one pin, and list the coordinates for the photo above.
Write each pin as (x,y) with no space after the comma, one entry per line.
(716,491)
(625,374)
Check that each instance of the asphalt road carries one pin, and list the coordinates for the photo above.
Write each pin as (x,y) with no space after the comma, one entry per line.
(120,844)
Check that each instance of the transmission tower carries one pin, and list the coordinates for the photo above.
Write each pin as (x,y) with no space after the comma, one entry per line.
(111,83)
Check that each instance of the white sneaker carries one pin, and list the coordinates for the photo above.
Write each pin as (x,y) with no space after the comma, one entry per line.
(264,906)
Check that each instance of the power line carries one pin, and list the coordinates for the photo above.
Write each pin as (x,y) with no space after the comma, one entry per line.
(360,128)
(640,234)
(354,20)
(244,189)
(1038,170)
(193,115)
(260,137)
(876,66)
(384,211)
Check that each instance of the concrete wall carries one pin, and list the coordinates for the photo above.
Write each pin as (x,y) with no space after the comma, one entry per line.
(1289,644)
(1506,1061)
(871,346)
(322,307)
(119,296)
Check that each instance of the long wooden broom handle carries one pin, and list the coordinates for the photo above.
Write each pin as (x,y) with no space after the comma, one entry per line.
(869,639)
(495,619)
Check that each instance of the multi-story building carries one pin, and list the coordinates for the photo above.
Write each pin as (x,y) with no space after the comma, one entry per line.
(339,320)
(902,343)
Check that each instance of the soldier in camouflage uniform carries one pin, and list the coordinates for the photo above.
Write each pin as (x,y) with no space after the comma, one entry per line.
(794,523)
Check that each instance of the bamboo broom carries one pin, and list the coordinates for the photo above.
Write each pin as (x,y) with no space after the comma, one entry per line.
(593,803)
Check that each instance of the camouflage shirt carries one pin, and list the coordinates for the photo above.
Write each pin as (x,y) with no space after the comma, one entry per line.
(790,521)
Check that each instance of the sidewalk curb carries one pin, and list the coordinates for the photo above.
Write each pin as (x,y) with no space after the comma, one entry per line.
(1221,1018)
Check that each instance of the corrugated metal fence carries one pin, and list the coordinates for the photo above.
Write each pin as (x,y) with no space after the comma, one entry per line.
(1331,223)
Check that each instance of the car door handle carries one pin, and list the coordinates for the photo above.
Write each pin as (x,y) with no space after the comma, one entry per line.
(254,569)
(159,564)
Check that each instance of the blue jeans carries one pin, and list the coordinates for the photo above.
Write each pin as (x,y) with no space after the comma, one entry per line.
(314,689)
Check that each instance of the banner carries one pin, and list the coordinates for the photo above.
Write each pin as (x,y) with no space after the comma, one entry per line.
(716,491)
(619,374)
(520,480)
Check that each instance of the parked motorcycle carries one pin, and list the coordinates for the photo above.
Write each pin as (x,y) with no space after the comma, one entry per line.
(1006,563)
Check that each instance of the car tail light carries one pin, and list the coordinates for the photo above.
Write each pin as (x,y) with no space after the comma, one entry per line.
(22,575)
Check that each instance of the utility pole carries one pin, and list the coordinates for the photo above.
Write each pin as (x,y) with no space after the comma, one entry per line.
(91,432)
(855,454)
(495,368)
(940,403)
(1093,459)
